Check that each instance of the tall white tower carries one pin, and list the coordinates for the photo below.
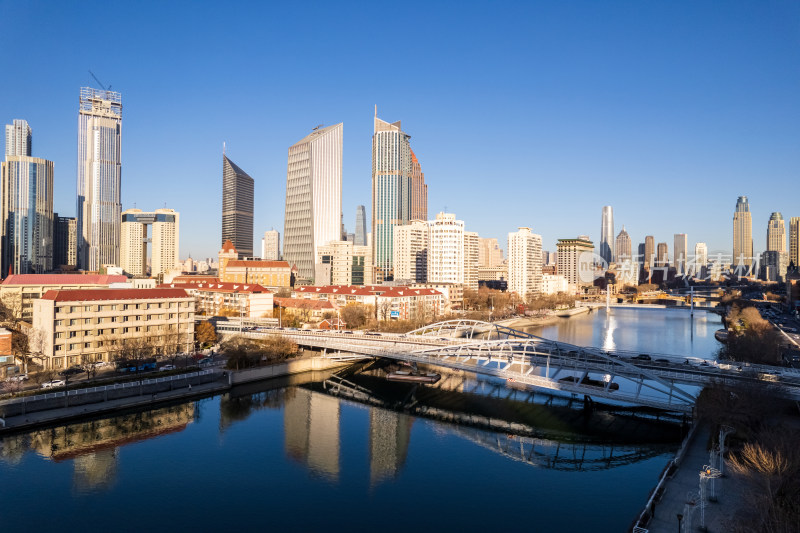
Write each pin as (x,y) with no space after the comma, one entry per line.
(524,262)
(607,234)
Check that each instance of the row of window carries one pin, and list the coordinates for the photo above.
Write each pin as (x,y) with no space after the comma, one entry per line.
(119,307)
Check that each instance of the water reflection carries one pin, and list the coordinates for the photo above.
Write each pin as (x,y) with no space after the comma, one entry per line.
(389,435)
(311,431)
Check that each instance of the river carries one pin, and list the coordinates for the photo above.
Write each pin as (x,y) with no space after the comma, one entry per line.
(283,455)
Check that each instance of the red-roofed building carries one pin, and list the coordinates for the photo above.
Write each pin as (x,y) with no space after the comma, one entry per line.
(18,291)
(273,274)
(306,308)
(391,302)
(86,325)
(229,299)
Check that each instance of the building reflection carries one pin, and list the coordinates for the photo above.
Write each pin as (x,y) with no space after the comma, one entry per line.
(311,431)
(389,435)
(93,446)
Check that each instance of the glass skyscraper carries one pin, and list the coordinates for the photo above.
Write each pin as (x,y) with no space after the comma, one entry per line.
(361,226)
(237,207)
(391,191)
(99,206)
(607,234)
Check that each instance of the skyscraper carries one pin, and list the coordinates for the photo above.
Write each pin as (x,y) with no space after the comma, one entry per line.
(776,233)
(99,206)
(571,259)
(237,207)
(391,192)
(471,245)
(361,226)
(65,241)
(419,191)
(271,249)
(27,215)
(794,241)
(446,249)
(18,138)
(649,251)
(742,234)
(622,247)
(680,251)
(700,259)
(607,234)
(489,253)
(313,197)
(524,262)
(662,255)
(165,238)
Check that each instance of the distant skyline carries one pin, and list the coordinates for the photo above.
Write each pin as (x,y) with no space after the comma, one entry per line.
(533,115)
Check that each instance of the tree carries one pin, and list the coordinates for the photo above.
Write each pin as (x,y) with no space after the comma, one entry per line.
(384,308)
(205,334)
(354,315)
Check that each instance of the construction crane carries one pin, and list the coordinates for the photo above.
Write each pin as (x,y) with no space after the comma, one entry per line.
(100,83)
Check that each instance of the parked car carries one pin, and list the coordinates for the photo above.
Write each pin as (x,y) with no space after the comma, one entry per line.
(71,371)
(206,361)
(167,367)
(21,377)
(53,383)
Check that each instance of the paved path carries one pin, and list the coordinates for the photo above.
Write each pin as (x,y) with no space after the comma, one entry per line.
(65,414)
(687,479)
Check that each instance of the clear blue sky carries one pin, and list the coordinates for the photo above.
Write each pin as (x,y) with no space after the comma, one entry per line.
(522,114)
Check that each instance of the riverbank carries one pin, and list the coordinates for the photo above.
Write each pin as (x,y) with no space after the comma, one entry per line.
(523,322)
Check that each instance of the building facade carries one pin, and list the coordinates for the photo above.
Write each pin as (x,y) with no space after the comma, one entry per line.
(794,241)
(680,252)
(662,255)
(80,326)
(26,237)
(446,249)
(346,263)
(237,207)
(649,258)
(360,237)
(19,138)
(622,247)
(99,206)
(228,299)
(700,259)
(271,246)
(573,256)
(776,233)
(525,263)
(391,191)
(419,191)
(607,234)
(411,252)
(742,234)
(65,241)
(489,253)
(313,197)
(165,239)
(471,252)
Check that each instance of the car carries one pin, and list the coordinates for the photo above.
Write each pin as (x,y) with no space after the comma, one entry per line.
(71,371)
(663,361)
(166,367)
(53,383)
(206,361)
(642,357)
(21,377)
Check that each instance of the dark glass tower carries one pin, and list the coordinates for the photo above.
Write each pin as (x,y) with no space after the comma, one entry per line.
(237,207)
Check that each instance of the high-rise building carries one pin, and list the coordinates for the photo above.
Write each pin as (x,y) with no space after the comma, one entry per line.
(165,238)
(361,226)
(490,254)
(525,262)
(679,253)
(649,251)
(571,254)
(419,191)
(662,255)
(776,233)
(794,241)
(237,207)
(99,205)
(742,234)
(65,241)
(622,247)
(446,249)
(700,259)
(343,263)
(313,197)
(471,246)
(27,215)
(19,139)
(391,192)
(607,234)
(411,252)
(271,245)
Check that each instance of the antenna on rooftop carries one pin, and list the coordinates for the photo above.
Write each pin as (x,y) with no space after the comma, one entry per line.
(223,147)
(100,83)
(318,126)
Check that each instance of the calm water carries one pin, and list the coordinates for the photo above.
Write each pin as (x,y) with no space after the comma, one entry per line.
(283,456)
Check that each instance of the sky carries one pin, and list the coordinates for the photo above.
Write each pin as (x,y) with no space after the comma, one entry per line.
(529,114)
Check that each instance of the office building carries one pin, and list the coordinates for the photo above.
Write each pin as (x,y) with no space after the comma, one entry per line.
(471,246)
(607,234)
(700,259)
(575,260)
(65,241)
(742,234)
(446,249)
(313,197)
(391,192)
(525,262)
(794,241)
(419,191)
(622,247)
(679,253)
(776,233)
(80,326)
(99,208)
(19,138)
(271,246)
(411,252)
(773,266)
(165,225)
(360,237)
(489,253)
(649,252)
(237,207)
(662,255)
(343,263)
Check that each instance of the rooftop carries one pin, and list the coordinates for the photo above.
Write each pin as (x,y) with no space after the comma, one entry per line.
(63,279)
(90,295)
(217,287)
(256,264)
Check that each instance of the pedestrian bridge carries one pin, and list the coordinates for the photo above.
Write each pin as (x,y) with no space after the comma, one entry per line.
(667,382)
